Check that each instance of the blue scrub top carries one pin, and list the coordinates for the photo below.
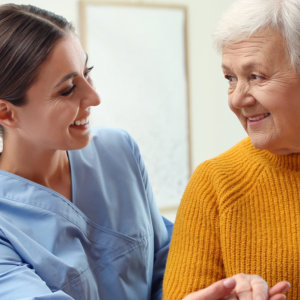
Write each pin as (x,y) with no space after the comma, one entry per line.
(109,243)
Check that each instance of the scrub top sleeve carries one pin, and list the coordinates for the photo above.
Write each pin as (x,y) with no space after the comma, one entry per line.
(162,229)
(19,282)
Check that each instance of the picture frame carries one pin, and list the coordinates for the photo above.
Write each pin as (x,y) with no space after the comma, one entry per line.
(140,52)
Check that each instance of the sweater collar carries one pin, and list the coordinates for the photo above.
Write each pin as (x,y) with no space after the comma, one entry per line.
(288,161)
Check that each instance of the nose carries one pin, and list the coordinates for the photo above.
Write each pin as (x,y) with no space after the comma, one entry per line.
(241,96)
(90,96)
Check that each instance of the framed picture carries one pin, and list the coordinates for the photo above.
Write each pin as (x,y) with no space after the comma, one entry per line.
(141,73)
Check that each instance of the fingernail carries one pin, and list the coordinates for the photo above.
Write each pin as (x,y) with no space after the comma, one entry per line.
(229,283)
(287,288)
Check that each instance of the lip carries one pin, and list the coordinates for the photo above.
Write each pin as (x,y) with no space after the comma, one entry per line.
(257,119)
(82,121)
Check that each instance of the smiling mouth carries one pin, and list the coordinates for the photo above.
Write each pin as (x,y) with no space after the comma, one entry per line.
(258,118)
(80,122)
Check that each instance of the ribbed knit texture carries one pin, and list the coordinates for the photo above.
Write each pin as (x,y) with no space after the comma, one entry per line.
(240,213)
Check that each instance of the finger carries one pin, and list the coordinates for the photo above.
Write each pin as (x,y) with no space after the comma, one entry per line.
(249,287)
(217,290)
(247,295)
(260,288)
(278,297)
(280,287)
(230,297)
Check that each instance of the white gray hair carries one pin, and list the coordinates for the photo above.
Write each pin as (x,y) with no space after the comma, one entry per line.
(246,17)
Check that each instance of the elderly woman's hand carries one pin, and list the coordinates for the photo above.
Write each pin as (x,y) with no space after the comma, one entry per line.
(242,287)
(254,287)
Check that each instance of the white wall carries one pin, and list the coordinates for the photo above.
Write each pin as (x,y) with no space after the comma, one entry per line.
(213,127)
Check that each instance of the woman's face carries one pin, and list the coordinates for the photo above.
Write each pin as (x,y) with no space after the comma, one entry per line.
(56,113)
(264,91)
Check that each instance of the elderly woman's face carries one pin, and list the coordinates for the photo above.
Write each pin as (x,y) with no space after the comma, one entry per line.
(264,91)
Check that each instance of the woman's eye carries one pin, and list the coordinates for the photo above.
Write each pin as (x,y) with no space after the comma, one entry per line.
(69,91)
(230,78)
(87,71)
(255,77)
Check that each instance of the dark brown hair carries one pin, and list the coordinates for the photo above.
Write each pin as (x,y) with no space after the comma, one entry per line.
(27,37)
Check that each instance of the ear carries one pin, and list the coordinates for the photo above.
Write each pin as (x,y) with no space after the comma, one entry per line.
(7,114)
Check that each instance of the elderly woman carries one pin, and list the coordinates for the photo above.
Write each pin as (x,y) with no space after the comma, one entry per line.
(241,210)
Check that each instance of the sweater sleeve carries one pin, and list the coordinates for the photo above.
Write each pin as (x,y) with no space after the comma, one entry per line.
(195,259)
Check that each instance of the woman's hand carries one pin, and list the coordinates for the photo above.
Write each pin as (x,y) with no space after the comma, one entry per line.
(250,287)
(242,287)
(216,291)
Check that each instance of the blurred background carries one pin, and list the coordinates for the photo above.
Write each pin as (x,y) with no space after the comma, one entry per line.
(159,77)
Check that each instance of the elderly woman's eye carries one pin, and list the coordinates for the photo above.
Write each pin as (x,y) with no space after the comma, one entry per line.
(230,78)
(255,77)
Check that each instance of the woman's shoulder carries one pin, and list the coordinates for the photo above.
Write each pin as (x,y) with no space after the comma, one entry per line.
(229,175)
(108,146)
(240,153)
(109,135)
(114,140)
(238,160)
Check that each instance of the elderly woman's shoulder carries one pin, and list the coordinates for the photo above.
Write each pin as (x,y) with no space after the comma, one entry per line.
(240,159)
(239,153)
(226,177)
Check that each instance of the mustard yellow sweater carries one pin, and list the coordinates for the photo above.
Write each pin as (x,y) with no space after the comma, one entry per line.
(240,213)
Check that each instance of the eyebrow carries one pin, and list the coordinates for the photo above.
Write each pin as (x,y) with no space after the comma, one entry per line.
(71,75)
(246,67)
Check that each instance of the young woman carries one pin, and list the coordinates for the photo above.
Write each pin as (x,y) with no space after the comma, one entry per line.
(77,214)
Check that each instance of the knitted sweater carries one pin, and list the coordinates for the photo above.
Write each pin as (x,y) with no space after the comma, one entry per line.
(240,213)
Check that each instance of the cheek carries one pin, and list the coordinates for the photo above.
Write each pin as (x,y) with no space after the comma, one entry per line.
(275,96)
(232,107)
(229,102)
(63,110)
(28,116)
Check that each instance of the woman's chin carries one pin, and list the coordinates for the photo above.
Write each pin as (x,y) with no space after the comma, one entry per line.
(273,146)
(260,141)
